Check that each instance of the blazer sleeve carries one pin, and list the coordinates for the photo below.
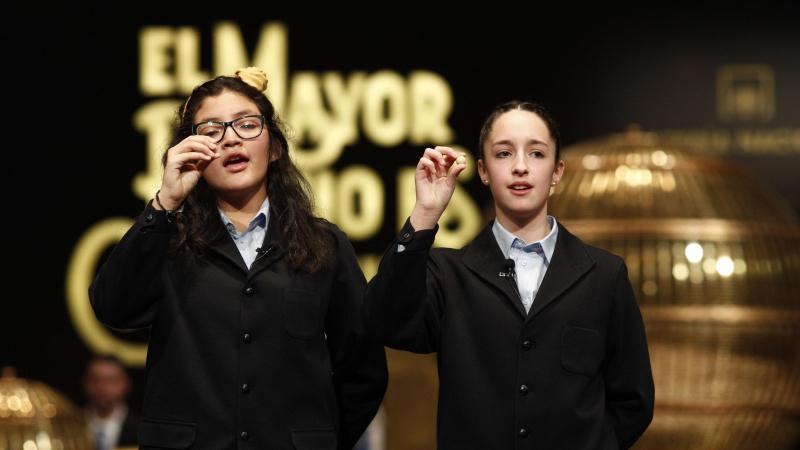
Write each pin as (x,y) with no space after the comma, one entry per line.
(125,290)
(630,393)
(404,302)
(360,374)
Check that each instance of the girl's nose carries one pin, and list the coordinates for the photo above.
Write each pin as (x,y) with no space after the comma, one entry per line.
(520,164)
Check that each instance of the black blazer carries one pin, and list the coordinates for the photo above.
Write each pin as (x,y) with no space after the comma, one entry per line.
(574,373)
(260,358)
(129,431)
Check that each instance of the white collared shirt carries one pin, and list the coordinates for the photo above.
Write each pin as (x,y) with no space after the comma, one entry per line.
(106,431)
(530,260)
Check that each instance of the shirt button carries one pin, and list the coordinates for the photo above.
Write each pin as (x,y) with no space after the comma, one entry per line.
(250,291)
(523,389)
(245,388)
(524,263)
(244,436)
(527,344)
(522,432)
(247,338)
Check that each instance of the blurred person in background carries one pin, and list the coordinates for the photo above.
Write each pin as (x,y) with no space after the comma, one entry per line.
(106,385)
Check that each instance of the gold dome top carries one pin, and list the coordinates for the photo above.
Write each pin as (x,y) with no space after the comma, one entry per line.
(34,416)
(687,224)
(638,174)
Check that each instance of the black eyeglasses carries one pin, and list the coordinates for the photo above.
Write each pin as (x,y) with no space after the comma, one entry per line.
(247,127)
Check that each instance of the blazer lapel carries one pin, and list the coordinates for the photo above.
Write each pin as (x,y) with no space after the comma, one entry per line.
(570,263)
(272,249)
(483,256)
(223,245)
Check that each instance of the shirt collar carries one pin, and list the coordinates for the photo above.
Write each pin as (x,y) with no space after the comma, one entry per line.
(505,239)
(259,220)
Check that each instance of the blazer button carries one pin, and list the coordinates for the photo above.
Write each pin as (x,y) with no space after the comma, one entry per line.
(245,388)
(523,389)
(527,344)
(250,291)
(244,436)
(149,218)
(247,338)
(523,432)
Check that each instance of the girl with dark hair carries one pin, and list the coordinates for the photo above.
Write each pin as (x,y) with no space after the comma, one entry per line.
(253,303)
(539,338)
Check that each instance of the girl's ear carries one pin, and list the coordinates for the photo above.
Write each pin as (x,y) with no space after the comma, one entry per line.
(273,155)
(482,172)
(559,171)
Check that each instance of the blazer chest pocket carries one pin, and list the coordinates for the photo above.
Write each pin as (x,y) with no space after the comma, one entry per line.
(582,350)
(314,439)
(158,434)
(302,313)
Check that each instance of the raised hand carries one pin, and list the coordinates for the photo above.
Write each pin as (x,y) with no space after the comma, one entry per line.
(435,182)
(185,164)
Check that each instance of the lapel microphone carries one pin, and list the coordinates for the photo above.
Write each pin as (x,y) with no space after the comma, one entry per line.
(261,251)
(511,274)
(509,269)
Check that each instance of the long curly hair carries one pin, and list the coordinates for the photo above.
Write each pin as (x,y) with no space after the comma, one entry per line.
(309,241)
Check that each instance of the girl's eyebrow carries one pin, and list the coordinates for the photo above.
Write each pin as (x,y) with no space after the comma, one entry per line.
(530,142)
(237,115)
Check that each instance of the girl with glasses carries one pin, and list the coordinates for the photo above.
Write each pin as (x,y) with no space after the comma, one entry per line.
(253,302)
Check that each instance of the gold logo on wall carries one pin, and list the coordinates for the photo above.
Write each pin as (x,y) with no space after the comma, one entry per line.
(745,93)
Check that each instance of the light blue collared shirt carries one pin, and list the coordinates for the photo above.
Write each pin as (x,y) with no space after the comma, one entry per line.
(530,260)
(250,239)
